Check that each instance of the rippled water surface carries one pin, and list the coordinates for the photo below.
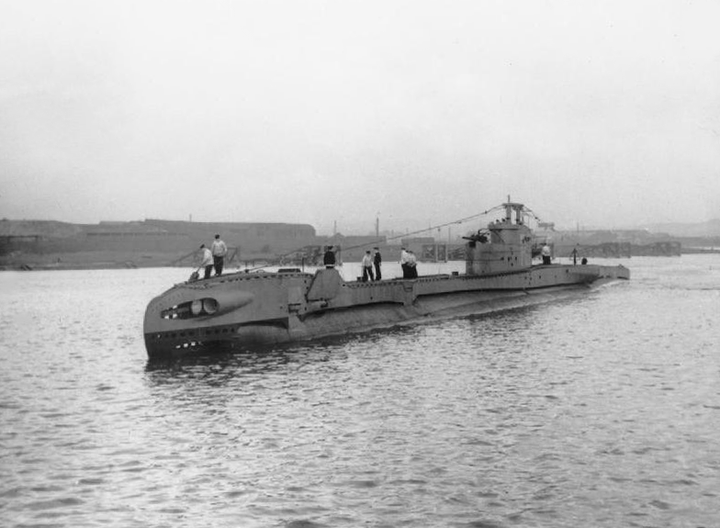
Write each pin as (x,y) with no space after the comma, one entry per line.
(601,410)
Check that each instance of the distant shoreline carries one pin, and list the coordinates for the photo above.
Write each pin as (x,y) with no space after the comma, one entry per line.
(79,261)
(87,260)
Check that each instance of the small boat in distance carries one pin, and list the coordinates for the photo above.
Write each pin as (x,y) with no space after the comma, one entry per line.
(243,309)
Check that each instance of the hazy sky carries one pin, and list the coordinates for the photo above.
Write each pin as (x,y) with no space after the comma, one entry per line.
(421,112)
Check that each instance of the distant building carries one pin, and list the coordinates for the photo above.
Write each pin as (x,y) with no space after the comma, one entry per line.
(163,236)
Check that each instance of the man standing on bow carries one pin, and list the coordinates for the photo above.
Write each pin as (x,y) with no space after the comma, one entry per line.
(219,250)
(207,261)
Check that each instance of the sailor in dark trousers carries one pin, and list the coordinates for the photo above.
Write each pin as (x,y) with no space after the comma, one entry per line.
(377,261)
(546,255)
(207,261)
(219,250)
(367,267)
(329,258)
(412,265)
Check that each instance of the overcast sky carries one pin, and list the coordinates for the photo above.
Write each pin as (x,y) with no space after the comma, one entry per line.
(598,113)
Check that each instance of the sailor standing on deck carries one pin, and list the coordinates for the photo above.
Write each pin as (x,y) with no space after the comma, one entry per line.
(377,261)
(367,266)
(207,261)
(412,265)
(329,258)
(219,250)
(404,263)
(546,253)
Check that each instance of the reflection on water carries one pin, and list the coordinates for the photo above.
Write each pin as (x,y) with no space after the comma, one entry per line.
(599,410)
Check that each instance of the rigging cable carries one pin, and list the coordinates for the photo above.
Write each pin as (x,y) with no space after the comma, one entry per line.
(386,239)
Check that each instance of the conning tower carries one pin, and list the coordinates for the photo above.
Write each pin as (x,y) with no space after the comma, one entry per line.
(505,246)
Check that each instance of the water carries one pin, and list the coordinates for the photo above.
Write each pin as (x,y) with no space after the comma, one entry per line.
(600,411)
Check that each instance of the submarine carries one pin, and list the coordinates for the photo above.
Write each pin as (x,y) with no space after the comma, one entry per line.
(239,310)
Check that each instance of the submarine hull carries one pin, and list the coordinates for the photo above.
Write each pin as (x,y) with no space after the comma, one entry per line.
(243,310)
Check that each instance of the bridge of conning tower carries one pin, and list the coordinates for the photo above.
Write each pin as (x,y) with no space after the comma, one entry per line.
(518,209)
(509,247)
